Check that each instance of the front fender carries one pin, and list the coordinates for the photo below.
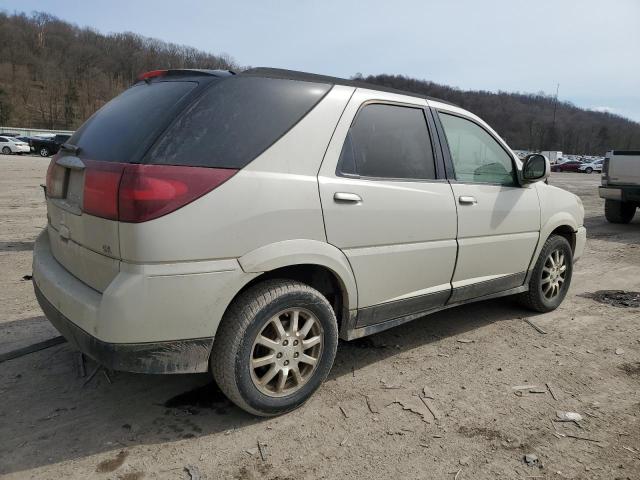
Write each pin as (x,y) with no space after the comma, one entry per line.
(303,252)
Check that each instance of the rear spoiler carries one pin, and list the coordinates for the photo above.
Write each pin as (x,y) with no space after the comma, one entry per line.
(179,72)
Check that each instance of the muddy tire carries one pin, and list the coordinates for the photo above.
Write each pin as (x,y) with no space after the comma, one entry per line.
(619,212)
(551,276)
(274,347)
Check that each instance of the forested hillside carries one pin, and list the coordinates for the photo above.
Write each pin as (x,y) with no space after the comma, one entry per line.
(55,75)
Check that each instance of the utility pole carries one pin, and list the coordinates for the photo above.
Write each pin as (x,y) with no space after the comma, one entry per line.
(553,142)
(555,106)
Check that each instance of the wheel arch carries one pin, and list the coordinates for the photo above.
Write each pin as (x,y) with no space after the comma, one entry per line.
(563,224)
(318,264)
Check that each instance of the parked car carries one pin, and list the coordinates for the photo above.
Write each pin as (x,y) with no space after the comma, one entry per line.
(9,145)
(239,224)
(570,166)
(46,146)
(590,167)
(621,185)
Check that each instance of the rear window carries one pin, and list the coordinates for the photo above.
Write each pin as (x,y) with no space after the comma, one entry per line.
(235,120)
(122,129)
(388,141)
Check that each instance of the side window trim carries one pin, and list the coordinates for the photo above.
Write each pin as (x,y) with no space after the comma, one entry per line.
(448,172)
(435,148)
(447,152)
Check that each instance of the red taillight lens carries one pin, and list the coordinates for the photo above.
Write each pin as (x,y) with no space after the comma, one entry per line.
(101,183)
(150,191)
(137,193)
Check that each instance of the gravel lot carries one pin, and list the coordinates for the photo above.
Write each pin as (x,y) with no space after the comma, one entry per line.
(366,421)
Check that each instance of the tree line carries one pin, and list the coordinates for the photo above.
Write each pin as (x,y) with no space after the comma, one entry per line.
(526,121)
(55,75)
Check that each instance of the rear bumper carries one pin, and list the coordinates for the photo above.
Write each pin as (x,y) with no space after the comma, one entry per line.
(156,318)
(180,356)
(621,193)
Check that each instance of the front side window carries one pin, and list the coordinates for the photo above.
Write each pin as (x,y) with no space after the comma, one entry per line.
(477,156)
(388,141)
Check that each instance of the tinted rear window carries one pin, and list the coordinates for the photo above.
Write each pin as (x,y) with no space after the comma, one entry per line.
(124,126)
(235,120)
(388,141)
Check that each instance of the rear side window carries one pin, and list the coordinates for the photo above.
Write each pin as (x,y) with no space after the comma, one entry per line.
(121,129)
(234,121)
(388,141)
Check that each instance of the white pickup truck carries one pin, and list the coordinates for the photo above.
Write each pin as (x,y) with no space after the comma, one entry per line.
(621,185)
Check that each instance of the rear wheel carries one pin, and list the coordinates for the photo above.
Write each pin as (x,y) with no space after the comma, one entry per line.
(619,212)
(589,170)
(274,347)
(44,152)
(551,276)
(6,150)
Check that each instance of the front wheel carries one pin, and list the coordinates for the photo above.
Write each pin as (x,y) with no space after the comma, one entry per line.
(274,347)
(44,152)
(589,170)
(551,276)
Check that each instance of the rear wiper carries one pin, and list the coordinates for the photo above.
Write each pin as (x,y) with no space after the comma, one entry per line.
(70,148)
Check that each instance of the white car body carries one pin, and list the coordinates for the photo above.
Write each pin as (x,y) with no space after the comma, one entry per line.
(594,166)
(11,145)
(149,296)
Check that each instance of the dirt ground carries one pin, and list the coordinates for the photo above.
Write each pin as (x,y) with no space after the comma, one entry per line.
(368,420)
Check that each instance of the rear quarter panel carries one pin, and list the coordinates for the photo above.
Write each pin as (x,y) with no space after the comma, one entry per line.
(274,198)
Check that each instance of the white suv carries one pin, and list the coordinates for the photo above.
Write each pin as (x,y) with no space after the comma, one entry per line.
(242,223)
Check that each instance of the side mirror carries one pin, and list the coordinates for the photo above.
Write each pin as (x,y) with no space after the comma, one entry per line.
(535,168)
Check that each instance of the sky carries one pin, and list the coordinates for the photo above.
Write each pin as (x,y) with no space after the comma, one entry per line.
(591,48)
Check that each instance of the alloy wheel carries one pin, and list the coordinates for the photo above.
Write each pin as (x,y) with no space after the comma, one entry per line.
(286,352)
(554,274)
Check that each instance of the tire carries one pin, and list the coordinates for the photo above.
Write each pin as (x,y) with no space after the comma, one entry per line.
(236,342)
(589,170)
(6,150)
(540,297)
(44,152)
(619,212)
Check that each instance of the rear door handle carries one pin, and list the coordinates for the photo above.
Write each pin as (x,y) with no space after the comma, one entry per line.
(347,197)
(467,200)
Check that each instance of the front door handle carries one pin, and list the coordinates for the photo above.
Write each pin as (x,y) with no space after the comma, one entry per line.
(467,200)
(347,197)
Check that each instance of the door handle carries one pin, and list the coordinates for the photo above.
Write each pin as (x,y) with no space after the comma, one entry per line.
(347,197)
(467,200)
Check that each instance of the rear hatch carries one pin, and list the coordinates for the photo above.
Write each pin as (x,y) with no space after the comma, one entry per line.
(171,138)
(83,178)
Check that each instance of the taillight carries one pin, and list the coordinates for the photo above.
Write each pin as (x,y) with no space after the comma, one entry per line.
(56,176)
(101,184)
(150,191)
(137,193)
